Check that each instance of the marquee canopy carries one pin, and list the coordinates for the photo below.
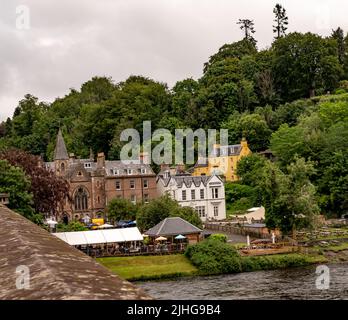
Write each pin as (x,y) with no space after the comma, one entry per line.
(100,236)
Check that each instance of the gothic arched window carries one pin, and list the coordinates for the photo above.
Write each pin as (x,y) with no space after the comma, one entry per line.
(62,166)
(81,199)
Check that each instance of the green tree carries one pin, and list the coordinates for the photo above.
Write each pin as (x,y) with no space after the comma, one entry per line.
(14,182)
(281,20)
(163,207)
(250,126)
(304,63)
(248,27)
(289,198)
(338,35)
(121,209)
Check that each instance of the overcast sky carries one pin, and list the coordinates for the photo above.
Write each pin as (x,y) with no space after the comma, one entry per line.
(70,41)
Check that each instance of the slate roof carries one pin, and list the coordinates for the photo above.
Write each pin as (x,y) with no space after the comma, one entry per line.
(57,270)
(172,226)
(187,180)
(60,152)
(122,167)
(231,150)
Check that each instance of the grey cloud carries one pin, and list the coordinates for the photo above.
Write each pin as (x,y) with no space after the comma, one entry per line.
(168,40)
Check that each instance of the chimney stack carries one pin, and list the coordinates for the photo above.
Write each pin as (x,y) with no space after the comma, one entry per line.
(101,160)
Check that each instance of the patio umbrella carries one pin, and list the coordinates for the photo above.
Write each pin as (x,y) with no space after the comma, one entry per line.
(180,237)
(161,238)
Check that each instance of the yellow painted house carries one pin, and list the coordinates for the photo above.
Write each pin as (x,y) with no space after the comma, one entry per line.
(223,161)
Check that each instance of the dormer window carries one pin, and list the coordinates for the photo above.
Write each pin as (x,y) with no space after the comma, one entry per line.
(129,171)
(88,165)
(79,173)
(143,170)
(116,172)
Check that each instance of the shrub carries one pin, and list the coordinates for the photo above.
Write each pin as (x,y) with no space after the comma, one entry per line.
(218,237)
(212,256)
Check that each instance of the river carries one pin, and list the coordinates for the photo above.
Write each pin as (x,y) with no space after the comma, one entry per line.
(295,283)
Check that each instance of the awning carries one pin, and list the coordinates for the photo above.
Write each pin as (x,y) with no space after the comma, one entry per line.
(75,238)
(100,236)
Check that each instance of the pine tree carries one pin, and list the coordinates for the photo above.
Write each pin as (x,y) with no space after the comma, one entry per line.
(338,35)
(248,27)
(281,20)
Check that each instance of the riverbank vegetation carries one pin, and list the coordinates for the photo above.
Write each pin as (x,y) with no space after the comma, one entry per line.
(216,257)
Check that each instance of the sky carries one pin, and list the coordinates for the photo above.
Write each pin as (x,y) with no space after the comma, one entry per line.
(48,47)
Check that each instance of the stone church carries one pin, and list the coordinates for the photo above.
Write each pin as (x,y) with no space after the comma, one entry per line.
(94,183)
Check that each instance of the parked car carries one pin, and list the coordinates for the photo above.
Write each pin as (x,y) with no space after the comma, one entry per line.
(126,224)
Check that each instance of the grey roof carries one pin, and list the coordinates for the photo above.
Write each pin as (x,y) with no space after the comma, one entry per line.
(172,226)
(60,152)
(231,150)
(122,167)
(57,271)
(187,180)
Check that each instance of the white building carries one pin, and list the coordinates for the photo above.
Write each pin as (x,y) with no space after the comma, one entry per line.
(205,194)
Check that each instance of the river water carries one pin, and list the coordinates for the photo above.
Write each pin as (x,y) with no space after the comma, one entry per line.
(294,283)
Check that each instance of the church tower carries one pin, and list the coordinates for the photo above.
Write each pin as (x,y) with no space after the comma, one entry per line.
(61,157)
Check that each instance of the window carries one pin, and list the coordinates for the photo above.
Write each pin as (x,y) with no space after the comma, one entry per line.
(193,194)
(200,211)
(215,193)
(88,165)
(116,172)
(145,184)
(201,192)
(129,171)
(132,184)
(146,198)
(81,199)
(143,170)
(183,195)
(118,185)
(62,166)
(98,199)
(216,211)
(133,199)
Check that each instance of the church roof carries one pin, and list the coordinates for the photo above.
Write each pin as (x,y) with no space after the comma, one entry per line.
(172,226)
(60,152)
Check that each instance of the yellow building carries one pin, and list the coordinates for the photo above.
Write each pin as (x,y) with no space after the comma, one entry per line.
(223,161)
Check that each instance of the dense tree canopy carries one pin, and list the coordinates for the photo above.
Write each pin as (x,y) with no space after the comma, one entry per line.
(290,98)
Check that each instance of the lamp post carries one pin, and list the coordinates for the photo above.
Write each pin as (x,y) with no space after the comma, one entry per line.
(52,225)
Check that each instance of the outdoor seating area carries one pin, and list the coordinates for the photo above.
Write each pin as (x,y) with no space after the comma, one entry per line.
(119,242)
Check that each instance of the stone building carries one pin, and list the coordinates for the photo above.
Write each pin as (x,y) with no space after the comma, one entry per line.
(94,183)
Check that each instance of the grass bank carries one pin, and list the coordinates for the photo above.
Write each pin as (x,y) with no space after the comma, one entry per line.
(149,267)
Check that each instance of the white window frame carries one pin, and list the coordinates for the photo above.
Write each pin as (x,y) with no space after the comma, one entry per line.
(130,184)
(201,194)
(216,211)
(215,193)
(193,194)
(183,195)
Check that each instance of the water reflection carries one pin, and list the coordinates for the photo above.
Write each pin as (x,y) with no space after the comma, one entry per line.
(296,283)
